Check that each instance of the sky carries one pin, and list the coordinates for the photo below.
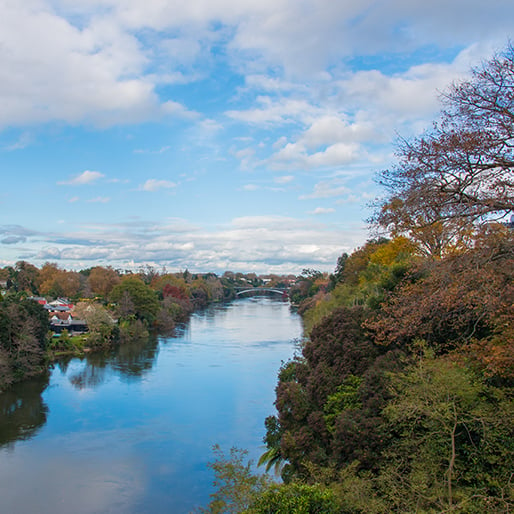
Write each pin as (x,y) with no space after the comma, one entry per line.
(215,135)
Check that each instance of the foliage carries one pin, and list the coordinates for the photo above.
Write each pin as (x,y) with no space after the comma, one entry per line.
(295,498)
(455,447)
(237,485)
(55,282)
(462,303)
(241,490)
(101,281)
(462,171)
(307,285)
(401,400)
(23,339)
(134,297)
(346,397)
(368,276)
(132,329)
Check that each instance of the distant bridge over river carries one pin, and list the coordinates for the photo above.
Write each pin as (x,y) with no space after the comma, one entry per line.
(248,291)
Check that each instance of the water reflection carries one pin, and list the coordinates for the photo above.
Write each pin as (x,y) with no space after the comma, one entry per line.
(131,361)
(22,411)
(132,430)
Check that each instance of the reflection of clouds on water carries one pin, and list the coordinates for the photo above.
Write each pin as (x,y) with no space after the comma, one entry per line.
(69,484)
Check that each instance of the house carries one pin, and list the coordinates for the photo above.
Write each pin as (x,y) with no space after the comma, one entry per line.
(62,302)
(60,321)
(60,318)
(38,299)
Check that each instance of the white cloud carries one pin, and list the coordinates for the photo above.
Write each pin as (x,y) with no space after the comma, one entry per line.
(295,155)
(252,243)
(272,111)
(153,185)
(86,177)
(284,179)
(326,189)
(107,67)
(322,210)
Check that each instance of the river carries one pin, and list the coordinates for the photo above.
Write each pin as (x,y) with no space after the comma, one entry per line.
(132,431)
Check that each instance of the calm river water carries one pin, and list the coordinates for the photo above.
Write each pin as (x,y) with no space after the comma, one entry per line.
(132,432)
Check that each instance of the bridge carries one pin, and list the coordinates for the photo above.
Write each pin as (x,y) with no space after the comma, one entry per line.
(282,292)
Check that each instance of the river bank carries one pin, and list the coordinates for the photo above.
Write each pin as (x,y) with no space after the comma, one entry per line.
(132,430)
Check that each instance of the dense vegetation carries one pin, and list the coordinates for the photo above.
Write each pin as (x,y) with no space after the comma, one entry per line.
(402,397)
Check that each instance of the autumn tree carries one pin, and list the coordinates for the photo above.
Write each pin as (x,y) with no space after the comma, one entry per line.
(463,304)
(46,277)
(102,280)
(462,171)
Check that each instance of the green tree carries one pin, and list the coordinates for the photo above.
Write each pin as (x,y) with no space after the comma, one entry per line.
(455,442)
(136,298)
(295,498)
(236,484)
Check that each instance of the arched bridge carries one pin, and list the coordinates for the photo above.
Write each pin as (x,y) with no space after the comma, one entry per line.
(281,292)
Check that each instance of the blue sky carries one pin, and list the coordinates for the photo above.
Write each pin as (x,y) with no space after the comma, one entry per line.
(215,135)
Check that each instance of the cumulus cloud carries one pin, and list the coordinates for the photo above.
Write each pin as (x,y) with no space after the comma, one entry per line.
(153,185)
(124,51)
(273,111)
(86,177)
(327,189)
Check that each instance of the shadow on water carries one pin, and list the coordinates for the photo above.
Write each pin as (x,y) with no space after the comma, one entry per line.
(22,411)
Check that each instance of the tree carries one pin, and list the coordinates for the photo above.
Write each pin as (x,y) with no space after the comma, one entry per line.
(102,280)
(295,498)
(454,447)
(236,484)
(57,282)
(462,171)
(133,293)
(25,277)
(463,303)
(102,328)
(23,330)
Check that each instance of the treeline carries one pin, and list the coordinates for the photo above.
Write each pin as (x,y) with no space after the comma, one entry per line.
(117,306)
(402,397)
